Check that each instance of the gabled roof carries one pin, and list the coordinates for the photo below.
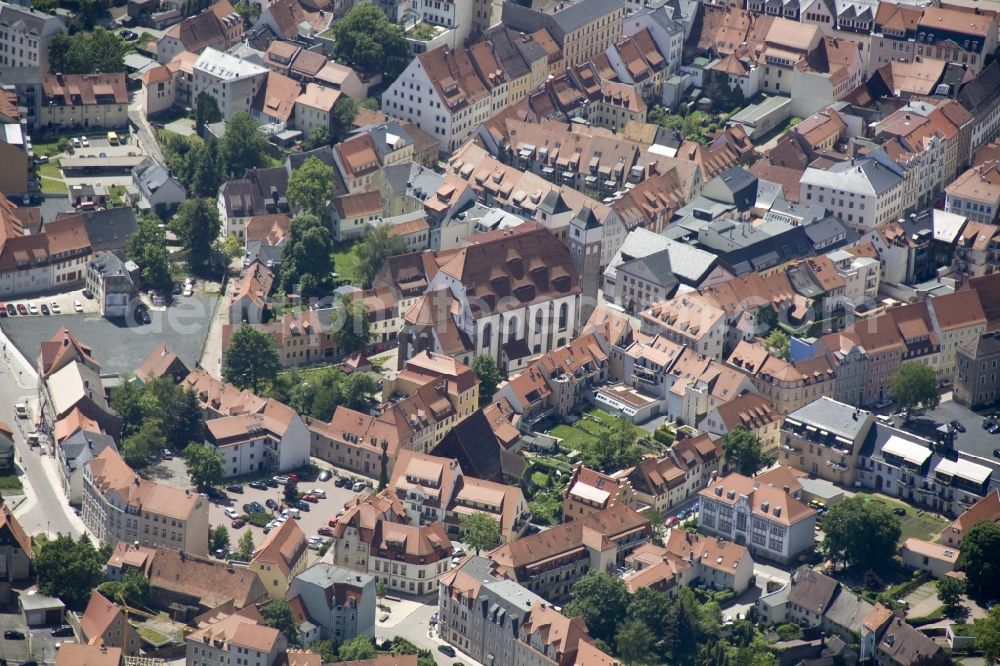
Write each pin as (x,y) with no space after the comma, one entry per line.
(281,548)
(98,616)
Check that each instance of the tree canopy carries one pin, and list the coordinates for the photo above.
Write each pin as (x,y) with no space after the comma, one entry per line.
(988,634)
(615,448)
(779,341)
(485,368)
(204,465)
(69,569)
(480,531)
(175,408)
(86,53)
(251,359)
(243,146)
(278,615)
(744,451)
(860,515)
(327,389)
(914,384)
(367,40)
(351,328)
(245,546)
(356,649)
(307,258)
(197,224)
(978,557)
(602,600)
(206,110)
(147,247)
(376,246)
(310,187)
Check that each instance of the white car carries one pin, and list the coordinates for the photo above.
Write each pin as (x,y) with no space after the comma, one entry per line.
(84,142)
(32,308)
(78,306)
(232,514)
(54,307)
(318,492)
(188,290)
(76,142)
(358,487)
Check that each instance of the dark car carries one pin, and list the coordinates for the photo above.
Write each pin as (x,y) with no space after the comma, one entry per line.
(993,429)
(176,289)
(88,294)
(258,485)
(248,507)
(237,523)
(63,630)
(22,309)
(235,488)
(996,453)
(13,636)
(301,506)
(325,475)
(271,504)
(45,309)
(957,425)
(987,422)
(11,310)
(446,649)
(271,483)
(257,507)
(899,511)
(340,482)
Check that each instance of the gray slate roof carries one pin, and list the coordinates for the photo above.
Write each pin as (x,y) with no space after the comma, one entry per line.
(832,416)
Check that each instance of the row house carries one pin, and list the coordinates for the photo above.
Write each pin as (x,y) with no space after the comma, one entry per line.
(435,490)
(976,194)
(118,505)
(233,83)
(637,61)
(904,256)
(862,192)
(750,411)
(902,32)
(987,509)
(672,479)
(902,465)
(787,384)
(688,558)
(338,603)
(549,562)
(302,338)
(976,383)
(688,320)
(235,638)
(90,101)
(589,491)
(25,35)
(218,27)
(560,381)
(765,519)
(979,97)
(272,439)
(581,29)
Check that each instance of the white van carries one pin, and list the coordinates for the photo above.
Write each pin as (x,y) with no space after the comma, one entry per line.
(21,410)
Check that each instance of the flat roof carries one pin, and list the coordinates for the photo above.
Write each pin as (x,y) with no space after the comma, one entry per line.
(911,452)
(589,493)
(964,469)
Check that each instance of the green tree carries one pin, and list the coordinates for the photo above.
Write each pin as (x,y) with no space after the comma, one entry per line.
(978,557)
(744,451)
(856,516)
(615,448)
(635,642)
(204,465)
(248,11)
(147,247)
(278,615)
(188,424)
(326,649)
(126,400)
(140,444)
(317,137)
(206,111)
(135,588)
(650,607)
(383,474)
(243,146)
(356,649)
(480,531)
(307,258)
(230,247)
(86,53)
(245,546)
(290,493)
(602,600)
(485,368)
(197,223)
(342,118)
(779,341)
(950,591)
(914,384)
(352,329)
(366,39)
(380,589)
(251,359)
(219,539)
(375,247)
(69,569)
(988,634)
(310,187)
(205,170)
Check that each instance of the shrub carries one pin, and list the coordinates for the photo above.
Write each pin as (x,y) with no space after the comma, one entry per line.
(663,436)
(540,479)
(257,519)
(789,632)
(723,597)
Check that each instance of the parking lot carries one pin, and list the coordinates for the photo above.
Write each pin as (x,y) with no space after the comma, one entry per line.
(64,301)
(119,346)
(310,521)
(39,643)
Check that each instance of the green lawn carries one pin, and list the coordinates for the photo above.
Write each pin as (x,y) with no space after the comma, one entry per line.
(588,429)
(10,482)
(345,261)
(915,523)
(153,637)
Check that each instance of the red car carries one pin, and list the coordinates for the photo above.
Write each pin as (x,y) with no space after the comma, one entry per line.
(238,523)
(310,498)
(325,531)
(21,309)
(3,310)
(333,522)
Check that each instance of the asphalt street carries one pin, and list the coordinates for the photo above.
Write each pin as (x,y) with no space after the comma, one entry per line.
(46,508)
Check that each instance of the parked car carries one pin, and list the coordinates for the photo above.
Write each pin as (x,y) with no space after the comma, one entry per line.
(447,650)
(292,511)
(168,454)
(62,630)
(11,310)
(21,309)
(309,497)
(32,308)
(280,479)
(341,482)
(996,453)
(258,485)
(88,294)
(271,504)
(957,425)
(993,429)
(12,635)
(258,507)
(358,486)
(300,505)
(237,523)
(45,309)
(271,483)
(325,531)
(78,306)
(85,142)
(235,488)
(3,310)
(75,141)
(248,508)
(325,475)
(333,522)
(318,492)
(899,511)
(232,514)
